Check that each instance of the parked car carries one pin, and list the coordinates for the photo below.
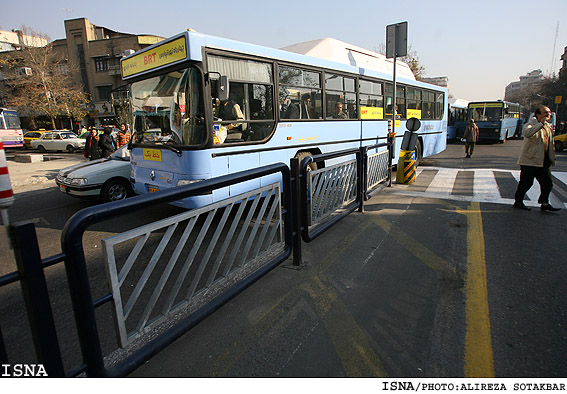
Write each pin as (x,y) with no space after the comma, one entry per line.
(31,136)
(108,179)
(560,142)
(58,140)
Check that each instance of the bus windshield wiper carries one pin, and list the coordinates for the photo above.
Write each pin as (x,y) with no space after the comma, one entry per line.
(171,148)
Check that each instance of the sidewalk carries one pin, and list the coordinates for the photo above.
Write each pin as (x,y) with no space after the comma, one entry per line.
(40,175)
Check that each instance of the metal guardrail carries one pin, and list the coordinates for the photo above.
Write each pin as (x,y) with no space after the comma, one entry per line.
(237,242)
(331,189)
(323,197)
(306,194)
(30,269)
(198,262)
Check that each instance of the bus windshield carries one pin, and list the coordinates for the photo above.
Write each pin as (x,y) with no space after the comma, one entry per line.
(491,114)
(168,109)
(11,120)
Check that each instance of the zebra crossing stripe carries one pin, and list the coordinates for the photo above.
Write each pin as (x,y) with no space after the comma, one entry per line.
(484,188)
(562,176)
(442,184)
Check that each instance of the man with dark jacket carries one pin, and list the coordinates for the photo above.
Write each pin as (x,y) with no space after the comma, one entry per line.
(470,137)
(106,143)
(92,151)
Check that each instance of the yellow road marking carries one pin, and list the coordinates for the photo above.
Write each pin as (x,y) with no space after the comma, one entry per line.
(349,340)
(479,359)
(429,258)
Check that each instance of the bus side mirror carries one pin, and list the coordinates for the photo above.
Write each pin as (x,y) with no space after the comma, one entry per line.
(223,90)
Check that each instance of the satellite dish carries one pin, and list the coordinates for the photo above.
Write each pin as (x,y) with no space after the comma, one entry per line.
(413,124)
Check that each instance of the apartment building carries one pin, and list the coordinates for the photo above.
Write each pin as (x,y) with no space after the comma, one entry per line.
(95,51)
(92,54)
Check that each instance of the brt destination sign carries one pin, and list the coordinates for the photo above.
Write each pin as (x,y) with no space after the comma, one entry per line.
(488,105)
(159,56)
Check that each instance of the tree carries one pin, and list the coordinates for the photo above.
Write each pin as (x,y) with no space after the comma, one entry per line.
(412,60)
(543,93)
(40,83)
(550,89)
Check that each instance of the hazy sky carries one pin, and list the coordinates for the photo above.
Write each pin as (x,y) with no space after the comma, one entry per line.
(480,45)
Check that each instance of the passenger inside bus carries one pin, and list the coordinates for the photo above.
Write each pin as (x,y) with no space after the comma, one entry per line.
(339,114)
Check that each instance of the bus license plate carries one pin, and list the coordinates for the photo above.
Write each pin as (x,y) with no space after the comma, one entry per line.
(153,189)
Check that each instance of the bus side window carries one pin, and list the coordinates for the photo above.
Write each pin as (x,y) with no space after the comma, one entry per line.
(300,92)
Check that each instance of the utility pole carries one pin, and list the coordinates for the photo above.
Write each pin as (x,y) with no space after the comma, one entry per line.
(396,45)
(552,72)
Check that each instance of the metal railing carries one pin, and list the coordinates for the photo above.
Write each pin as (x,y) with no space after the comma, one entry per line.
(324,197)
(267,233)
(198,262)
(167,276)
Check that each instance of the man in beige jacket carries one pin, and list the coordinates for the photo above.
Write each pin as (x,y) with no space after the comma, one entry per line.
(536,158)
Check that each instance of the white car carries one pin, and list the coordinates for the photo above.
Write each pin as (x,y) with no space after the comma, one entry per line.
(107,179)
(58,140)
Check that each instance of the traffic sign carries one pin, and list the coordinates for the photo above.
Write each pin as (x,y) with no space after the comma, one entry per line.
(558,99)
(397,39)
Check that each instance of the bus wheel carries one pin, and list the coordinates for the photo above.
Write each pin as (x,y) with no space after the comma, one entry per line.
(303,155)
(418,153)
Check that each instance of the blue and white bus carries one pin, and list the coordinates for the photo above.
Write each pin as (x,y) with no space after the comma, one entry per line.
(206,106)
(11,133)
(457,118)
(496,120)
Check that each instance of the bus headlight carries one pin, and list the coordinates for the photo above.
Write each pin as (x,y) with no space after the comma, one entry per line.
(183,182)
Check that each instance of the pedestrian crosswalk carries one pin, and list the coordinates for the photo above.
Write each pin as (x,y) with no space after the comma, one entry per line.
(482,185)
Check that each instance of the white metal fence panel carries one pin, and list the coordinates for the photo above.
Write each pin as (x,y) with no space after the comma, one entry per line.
(331,188)
(174,266)
(377,169)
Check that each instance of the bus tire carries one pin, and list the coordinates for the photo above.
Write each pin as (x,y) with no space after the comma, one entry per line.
(303,155)
(418,153)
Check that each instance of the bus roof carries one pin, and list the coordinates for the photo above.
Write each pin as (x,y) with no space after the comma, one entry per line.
(492,101)
(342,52)
(458,103)
(325,53)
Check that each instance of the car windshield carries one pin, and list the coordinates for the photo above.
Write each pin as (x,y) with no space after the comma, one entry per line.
(168,109)
(68,135)
(121,154)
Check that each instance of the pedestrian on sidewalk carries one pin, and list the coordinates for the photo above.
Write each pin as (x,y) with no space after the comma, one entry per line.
(92,151)
(106,142)
(123,136)
(536,158)
(470,137)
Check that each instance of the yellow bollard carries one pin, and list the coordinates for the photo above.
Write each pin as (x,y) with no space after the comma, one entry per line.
(406,167)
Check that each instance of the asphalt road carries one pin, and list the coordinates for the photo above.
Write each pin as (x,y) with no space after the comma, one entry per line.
(416,286)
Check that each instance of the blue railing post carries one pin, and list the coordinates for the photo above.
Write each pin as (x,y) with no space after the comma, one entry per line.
(80,289)
(296,211)
(361,178)
(36,297)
